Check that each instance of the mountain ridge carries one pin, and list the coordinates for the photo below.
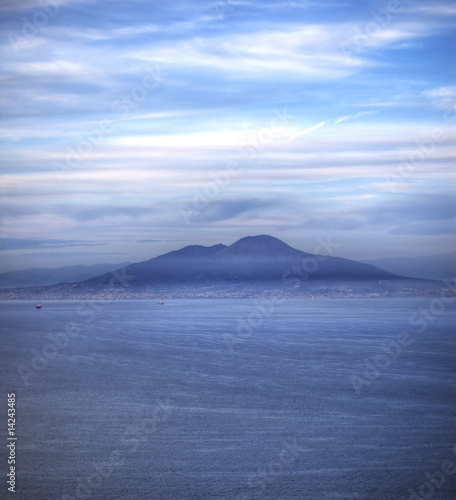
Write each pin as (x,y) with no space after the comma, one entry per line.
(253,258)
(254,266)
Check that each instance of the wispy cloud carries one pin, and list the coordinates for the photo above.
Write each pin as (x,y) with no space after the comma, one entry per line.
(306,131)
(350,117)
(434,9)
(28,244)
(441,97)
(221,210)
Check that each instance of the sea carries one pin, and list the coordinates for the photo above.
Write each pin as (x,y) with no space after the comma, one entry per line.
(319,399)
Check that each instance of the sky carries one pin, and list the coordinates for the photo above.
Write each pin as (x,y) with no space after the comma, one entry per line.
(130,129)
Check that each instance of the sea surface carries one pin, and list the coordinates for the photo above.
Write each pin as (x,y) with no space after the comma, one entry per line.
(345,399)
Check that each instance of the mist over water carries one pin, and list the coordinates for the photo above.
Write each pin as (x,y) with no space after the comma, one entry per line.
(184,401)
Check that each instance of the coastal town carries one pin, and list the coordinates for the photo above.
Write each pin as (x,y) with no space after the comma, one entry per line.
(244,290)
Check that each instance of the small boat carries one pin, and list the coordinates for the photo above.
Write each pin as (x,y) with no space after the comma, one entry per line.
(38,306)
(160,303)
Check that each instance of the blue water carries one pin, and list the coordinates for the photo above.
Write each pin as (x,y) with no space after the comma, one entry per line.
(184,401)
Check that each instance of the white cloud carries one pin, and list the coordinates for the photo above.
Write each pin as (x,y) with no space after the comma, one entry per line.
(312,52)
(306,131)
(309,51)
(350,117)
(442,97)
(434,9)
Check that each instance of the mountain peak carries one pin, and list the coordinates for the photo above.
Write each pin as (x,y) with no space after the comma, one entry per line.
(261,245)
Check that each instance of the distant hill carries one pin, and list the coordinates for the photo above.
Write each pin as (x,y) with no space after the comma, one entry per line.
(434,267)
(42,277)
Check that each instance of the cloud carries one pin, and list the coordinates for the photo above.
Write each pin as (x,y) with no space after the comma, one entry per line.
(108,212)
(149,241)
(27,244)
(344,223)
(230,5)
(229,209)
(350,117)
(74,256)
(408,214)
(418,214)
(442,97)
(310,52)
(306,131)
(426,228)
(434,9)
(416,207)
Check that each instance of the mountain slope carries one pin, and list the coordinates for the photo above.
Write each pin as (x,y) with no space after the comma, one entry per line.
(255,258)
(256,266)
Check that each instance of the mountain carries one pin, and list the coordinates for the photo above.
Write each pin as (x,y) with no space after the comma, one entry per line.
(255,258)
(255,266)
(433,267)
(42,277)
